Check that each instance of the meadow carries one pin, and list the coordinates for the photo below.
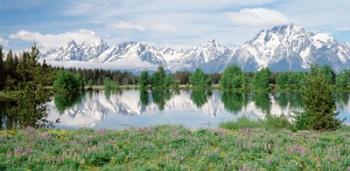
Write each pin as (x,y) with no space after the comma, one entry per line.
(175,148)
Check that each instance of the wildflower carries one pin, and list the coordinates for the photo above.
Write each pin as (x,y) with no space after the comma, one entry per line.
(297,149)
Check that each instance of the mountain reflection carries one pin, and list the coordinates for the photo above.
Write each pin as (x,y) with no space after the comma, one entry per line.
(234,101)
(136,108)
(200,97)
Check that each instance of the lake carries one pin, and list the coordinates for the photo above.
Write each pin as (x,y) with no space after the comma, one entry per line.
(192,109)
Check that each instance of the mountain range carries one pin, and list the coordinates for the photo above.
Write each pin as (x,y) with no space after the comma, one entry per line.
(282,48)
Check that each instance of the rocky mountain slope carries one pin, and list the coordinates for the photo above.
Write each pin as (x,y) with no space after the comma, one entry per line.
(282,48)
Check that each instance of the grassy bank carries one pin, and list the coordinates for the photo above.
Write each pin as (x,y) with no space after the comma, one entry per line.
(174,148)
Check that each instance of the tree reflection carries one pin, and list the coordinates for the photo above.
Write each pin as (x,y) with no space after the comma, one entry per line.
(262,100)
(64,102)
(200,96)
(234,101)
(160,97)
(293,99)
(109,92)
(144,97)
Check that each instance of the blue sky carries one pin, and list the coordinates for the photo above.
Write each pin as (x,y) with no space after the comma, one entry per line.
(180,23)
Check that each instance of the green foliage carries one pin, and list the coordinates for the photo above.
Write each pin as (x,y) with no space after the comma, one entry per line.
(30,108)
(261,80)
(159,78)
(144,79)
(234,101)
(199,79)
(240,123)
(262,100)
(63,102)
(289,80)
(319,103)
(269,122)
(67,84)
(144,97)
(343,80)
(232,78)
(200,96)
(160,97)
(174,148)
(109,85)
(328,73)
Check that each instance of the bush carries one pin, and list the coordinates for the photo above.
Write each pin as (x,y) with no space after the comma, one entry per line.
(199,79)
(67,83)
(240,123)
(319,103)
(270,122)
(109,84)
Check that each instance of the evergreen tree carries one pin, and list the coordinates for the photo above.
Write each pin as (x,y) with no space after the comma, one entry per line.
(144,79)
(343,80)
(67,83)
(30,108)
(319,103)
(232,78)
(261,80)
(158,79)
(109,84)
(329,74)
(199,79)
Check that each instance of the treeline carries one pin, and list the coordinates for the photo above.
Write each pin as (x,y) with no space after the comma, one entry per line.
(234,79)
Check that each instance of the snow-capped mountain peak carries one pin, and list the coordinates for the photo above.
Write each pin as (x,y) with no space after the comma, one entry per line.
(281,48)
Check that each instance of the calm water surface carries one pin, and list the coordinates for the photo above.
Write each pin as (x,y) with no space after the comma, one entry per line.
(193,109)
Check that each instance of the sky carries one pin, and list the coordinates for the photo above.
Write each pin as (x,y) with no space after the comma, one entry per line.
(176,23)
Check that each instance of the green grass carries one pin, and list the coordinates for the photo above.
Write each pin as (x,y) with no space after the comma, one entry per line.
(270,122)
(174,148)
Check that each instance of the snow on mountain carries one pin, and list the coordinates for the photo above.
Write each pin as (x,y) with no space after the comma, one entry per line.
(282,48)
(290,47)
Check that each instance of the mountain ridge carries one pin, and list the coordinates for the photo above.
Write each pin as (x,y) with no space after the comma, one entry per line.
(281,48)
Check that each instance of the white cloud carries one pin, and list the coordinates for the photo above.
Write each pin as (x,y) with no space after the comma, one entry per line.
(343,28)
(125,25)
(164,28)
(260,17)
(49,41)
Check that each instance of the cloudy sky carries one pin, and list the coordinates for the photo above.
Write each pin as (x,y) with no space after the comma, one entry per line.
(177,23)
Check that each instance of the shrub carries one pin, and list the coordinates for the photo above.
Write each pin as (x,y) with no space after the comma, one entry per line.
(270,122)
(319,103)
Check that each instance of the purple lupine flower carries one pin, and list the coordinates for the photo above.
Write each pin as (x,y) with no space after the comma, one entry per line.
(21,151)
(298,149)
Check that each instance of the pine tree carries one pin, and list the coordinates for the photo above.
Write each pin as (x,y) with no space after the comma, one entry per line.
(232,78)
(319,103)
(143,79)
(158,78)
(199,79)
(261,80)
(30,108)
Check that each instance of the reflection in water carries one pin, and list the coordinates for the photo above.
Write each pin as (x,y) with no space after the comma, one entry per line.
(160,97)
(193,109)
(234,101)
(262,100)
(144,97)
(63,102)
(200,96)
